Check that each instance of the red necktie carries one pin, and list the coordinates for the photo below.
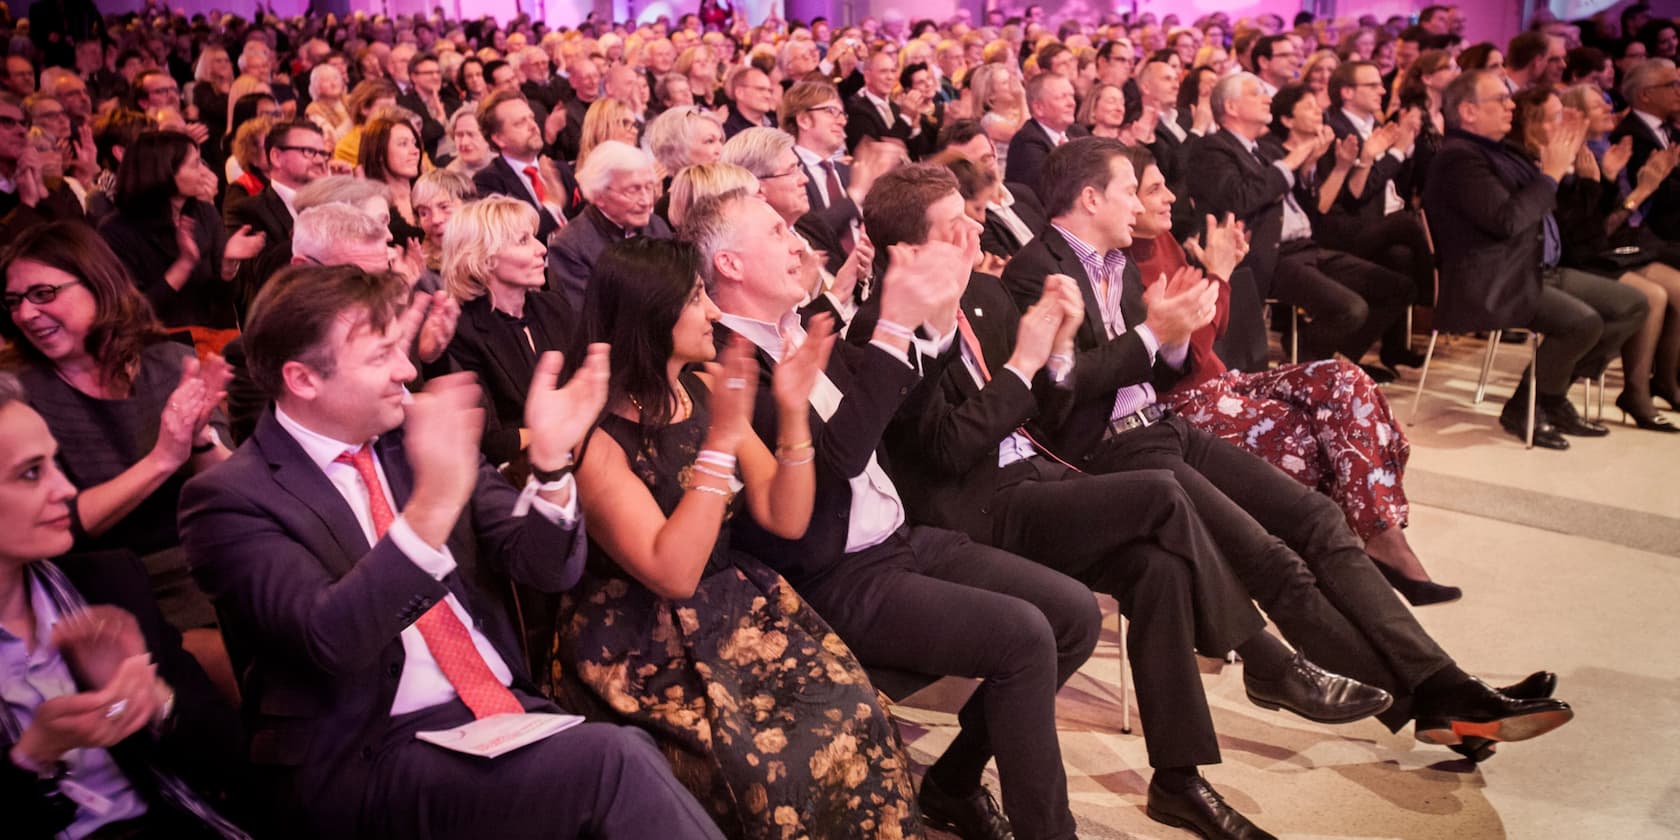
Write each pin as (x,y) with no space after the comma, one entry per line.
(536,184)
(446,637)
(972,342)
(835,191)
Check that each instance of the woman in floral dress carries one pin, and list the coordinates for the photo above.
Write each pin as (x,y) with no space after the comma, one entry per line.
(767,715)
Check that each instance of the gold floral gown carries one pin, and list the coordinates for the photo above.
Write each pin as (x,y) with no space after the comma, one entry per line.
(767,716)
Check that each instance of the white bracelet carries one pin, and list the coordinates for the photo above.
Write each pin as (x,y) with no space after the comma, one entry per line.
(896,330)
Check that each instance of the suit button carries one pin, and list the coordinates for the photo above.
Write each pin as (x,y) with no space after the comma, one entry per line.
(394,670)
(985,509)
(425,603)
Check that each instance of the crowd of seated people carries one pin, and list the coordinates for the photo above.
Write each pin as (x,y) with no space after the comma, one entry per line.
(377,389)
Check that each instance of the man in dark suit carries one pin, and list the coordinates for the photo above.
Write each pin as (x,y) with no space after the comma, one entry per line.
(356,548)
(869,113)
(1289,545)
(297,155)
(1490,210)
(752,101)
(428,100)
(1652,96)
(1348,301)
(584,81)
(1022,628)
(1051,101)
(622,186)
(1013,219)
(965,459)
(518,169)
(813,114)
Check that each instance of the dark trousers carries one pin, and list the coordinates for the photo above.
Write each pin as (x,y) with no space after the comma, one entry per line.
(1292,549)
(1584,319)
(593,780)
(1397,242)
(934,602)
(1137,536)
(1348,301)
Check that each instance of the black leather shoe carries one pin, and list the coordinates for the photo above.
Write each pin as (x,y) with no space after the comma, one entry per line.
(1476,749)
(1562,416)
(1402,358)
(1316,694)
(1545,436)
(1536,686)
(1475,709)
(1379,374)
(1200,808)
(972,816)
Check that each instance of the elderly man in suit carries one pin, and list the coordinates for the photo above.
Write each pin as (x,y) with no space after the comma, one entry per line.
(622,186)
(1022,628)
(871,113)
(519,169)
(1652,91)
(1053,105)
(297,155)
(1490,209)
(1288,544)
(357,548)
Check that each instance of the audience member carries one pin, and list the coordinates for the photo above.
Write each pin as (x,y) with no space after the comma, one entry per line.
(621,184)
(518,168)
(1051,101)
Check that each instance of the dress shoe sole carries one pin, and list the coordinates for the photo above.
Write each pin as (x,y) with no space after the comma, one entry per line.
(1347,718)
(1515,728)
(1175,821)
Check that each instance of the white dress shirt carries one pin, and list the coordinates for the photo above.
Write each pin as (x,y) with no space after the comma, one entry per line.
(1296,223)
(1656,126)
(813,164)
(1391,194)
(422,684)
(1005,211)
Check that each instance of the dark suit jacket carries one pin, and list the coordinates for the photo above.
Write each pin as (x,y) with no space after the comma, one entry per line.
(499,178)
(1352,213)
(874,383)
(202,741)
(17,217)
(814,174)
(313,615)
(572,256)
(1028,149)
(266,213)
(862,120)
(1486,204)
(1662,211)
(1102,365)
(1227,179)
(738,123)
(944,444)
(147,247)
(431,130)
(996,237)
(494,347)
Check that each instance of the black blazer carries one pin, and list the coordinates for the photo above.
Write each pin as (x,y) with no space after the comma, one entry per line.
(147,246)
(1486,203)
(1351,214)
(493,346)
(1102,366)
(738,123)
(572,255)
(1227,179)
(498,178)
(1028,149)
(266,213)
(863,120)
(875,384)
(997,238)
(944,441)
(431,131)
(1662,211)
(313,615)
(202,741)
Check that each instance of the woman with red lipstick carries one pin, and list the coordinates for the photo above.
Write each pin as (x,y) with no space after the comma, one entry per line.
(135,413)
(93,726)
(765,712)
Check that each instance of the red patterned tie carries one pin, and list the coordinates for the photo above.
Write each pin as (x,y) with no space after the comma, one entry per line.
(446,637)
(536,184)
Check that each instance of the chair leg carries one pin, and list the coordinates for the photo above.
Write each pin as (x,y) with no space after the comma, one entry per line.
(1487,364)
(1125,693)
(1423,376)
(1409,328)
(1598,416)
(1533,359)
(1294,335)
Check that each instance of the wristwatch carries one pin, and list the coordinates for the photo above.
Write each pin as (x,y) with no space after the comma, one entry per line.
(546,477)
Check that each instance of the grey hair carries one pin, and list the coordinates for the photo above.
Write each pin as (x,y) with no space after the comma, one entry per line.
(321,227)
(343,189)
(709,226)
(607,160)
(1642,76)
(251,48)
(703,180)
(320,72)
(11,389)
(443,182)
(1227,89)
(756,149)
(670,135)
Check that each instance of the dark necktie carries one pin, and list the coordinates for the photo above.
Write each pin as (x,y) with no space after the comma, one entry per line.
(833,177)
(972,342)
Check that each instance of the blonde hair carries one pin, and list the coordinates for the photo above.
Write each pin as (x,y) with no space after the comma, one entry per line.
(598,124)
(705,180)
(671,135)
(990,80)
(475,235)
(249,142)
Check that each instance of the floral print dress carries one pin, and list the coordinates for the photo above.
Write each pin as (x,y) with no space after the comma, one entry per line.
(767,715)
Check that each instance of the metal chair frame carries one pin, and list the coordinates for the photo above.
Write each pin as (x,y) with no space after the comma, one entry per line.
(1481,383)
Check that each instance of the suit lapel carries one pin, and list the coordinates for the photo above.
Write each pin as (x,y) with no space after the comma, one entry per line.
(297,475)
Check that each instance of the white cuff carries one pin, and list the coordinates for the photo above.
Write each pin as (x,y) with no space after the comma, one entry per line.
(432,561)
(531,499)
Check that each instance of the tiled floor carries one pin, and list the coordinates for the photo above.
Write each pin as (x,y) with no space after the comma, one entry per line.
(1569,563)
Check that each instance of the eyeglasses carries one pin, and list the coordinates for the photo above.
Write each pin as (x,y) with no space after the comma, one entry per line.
(312,154)
(38,295)
(792,171)
(272,114)
(13,122)
(831,110)
(154,91)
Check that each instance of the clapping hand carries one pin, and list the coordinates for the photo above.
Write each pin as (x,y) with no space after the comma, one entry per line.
(1223,245)
(96,641)
(1347,151)
(1179,305)
(1039,327)
(186,241)
(441,430)
(557,417)
(96,718)
(1616,158)
(186,414)
(1657,167)
(242,244)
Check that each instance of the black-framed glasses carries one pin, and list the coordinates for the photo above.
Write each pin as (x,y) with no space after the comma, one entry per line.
(38,295)
(831,110)
(13,122)
(312,154)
